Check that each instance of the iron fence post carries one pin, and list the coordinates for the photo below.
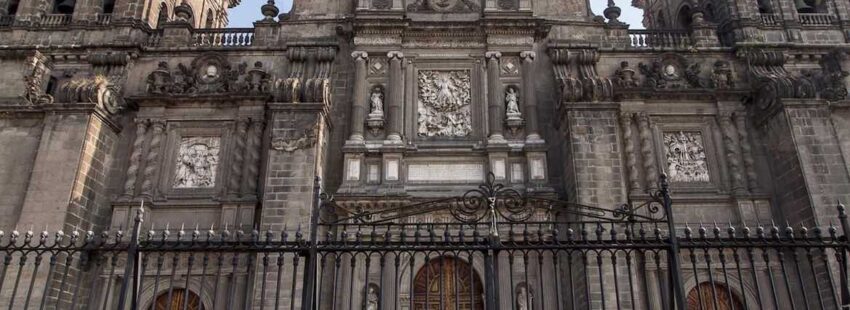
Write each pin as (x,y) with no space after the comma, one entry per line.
(673,257)
(845,226)
(491,257)
(131,270)
(309,295)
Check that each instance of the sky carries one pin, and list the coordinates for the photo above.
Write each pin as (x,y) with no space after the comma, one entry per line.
(248,12)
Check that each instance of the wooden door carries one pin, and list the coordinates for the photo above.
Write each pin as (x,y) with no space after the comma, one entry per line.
(447,283)
(706,296)
(178,296)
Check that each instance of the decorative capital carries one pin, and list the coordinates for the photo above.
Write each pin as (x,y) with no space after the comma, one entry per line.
(493,55)
(528,56)
(360,55)
(395,55)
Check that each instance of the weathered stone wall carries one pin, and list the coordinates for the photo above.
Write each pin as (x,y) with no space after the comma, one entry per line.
(21,137)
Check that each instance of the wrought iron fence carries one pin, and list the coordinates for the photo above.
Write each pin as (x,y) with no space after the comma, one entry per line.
(498,249)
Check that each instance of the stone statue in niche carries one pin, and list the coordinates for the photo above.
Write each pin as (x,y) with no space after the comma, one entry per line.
(513,119)
(512,102)
(444,104)
(376,101)
(197,162)
(372,298)
(523,298)
(375,121)
(686,158)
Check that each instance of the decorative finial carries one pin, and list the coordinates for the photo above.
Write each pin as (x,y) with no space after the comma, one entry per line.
(269,10)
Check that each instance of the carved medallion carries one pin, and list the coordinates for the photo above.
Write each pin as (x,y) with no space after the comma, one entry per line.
(382,4)
(197,162)
(686,159)
(444,104)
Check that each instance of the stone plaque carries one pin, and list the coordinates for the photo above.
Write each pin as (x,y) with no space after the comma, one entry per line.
(440,172)
(686,160)
(197,162)
(444,103)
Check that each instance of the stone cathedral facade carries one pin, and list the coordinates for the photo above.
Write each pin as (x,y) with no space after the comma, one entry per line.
(742,103)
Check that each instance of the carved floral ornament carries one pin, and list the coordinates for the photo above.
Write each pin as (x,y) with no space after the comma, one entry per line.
(444,6)
(209,74)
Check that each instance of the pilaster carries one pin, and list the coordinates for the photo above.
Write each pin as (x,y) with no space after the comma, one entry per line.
(395,97)
(494,99)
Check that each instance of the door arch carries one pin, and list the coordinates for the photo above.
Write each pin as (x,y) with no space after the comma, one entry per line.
(450,279)
(178,297)
(704,296)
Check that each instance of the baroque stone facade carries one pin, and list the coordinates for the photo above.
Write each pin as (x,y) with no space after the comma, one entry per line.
(388,101)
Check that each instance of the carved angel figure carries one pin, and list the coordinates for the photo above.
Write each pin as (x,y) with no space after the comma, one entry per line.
(372,299)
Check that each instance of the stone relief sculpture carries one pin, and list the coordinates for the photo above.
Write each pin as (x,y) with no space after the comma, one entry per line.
(444,104)
(672,71)
(686,158)
(197,162)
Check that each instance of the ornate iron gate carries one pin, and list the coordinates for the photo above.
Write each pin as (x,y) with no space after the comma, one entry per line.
(492,248)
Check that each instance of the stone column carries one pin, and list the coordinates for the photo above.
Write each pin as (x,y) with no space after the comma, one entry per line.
(395,96)
(529,98)
(747,151)
(361,98)
(135,160)
(252,159)
(629,149)
(495,98)
(730,144)
(153,158)
(236,166)
(646,146)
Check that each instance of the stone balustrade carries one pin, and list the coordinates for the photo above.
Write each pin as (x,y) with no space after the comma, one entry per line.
(103,19)
(659,39)
(223,37)
(6,20)
(816,19)
(770,19)
(55,20)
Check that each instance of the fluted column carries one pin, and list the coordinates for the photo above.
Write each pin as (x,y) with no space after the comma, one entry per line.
(395,96)
(153,158)
(529,97)
(495,102)
(135,159)
(236,167)
(361,98)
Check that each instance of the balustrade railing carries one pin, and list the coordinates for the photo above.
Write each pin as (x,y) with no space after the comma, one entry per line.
(55,19)
(228,37)
(770,19)
(103,19)
(659,38)
(816,19)
(6,20)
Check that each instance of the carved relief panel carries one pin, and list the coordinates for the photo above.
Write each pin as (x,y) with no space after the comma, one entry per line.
(194,156)
(685,157)
(197,162)
(687,153)
(443,103)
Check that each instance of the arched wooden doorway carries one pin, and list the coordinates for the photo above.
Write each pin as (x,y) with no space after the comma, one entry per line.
(706,295)
(448,279)
(178,297)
